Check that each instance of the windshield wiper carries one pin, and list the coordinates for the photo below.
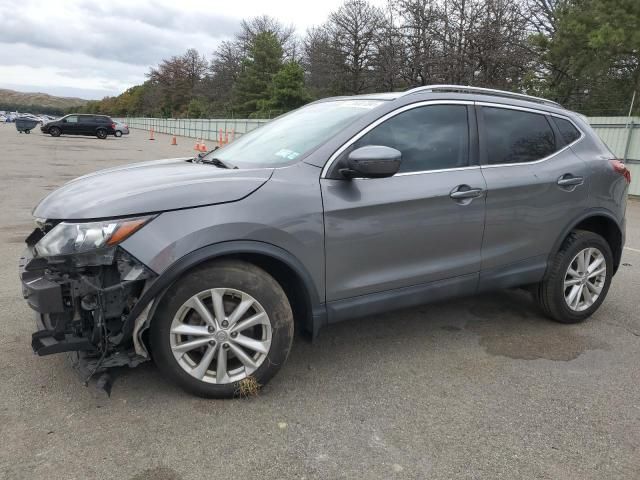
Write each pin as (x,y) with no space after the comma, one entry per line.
(201,158)
(217,162)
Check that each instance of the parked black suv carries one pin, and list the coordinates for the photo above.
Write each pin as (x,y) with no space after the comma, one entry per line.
(75,124)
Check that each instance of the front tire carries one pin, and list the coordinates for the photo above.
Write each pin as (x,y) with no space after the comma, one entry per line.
(221,325)
(54,132)
(578,278)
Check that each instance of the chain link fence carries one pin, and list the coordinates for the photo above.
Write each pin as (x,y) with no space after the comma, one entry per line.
(201,128)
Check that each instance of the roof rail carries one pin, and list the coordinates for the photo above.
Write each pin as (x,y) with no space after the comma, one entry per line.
(481,90)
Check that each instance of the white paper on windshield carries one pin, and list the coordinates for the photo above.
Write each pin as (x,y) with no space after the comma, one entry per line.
(368,104)
(286,153)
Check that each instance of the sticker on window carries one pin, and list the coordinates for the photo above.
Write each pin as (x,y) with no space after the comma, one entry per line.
(286,153)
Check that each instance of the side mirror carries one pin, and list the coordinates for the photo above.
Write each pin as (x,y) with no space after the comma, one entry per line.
(372,161)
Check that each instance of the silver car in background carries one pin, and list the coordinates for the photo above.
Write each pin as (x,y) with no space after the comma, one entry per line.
(121,128)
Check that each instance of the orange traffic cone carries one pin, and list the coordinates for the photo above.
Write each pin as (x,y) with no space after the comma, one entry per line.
(151,134)
(203,147)
(197,147)
(173,141)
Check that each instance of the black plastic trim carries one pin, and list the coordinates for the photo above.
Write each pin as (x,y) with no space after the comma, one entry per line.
(592,212)
(516,274)
(389,300)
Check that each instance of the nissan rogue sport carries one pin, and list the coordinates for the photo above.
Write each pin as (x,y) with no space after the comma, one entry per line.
(344,208)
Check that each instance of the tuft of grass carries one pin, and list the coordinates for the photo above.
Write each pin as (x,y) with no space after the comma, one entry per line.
(248,387)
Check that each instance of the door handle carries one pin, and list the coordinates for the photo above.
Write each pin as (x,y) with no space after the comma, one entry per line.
(568,180)
(462,192)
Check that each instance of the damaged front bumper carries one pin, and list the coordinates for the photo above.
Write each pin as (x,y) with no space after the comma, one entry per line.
(84,308)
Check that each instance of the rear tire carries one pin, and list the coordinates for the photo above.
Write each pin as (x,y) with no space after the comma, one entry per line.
(227,357)
(118,133)
(578,278)
(101,134)
(54,132)
(27,131)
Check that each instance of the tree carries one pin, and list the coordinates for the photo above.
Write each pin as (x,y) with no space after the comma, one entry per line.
(286,92)
(353,30)
(263,61)
(595,50)
(250,29)
(177,80)
(223,73)
(322,69)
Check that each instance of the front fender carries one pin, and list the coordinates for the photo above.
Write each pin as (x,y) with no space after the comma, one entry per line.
(161,284)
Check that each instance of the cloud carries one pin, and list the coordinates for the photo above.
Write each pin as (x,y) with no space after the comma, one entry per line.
(96,47)
(126,32)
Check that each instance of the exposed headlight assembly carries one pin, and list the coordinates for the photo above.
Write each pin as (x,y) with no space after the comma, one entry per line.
(90,243)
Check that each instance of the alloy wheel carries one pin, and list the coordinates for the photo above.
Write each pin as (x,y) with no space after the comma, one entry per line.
(585,278)
(220,335)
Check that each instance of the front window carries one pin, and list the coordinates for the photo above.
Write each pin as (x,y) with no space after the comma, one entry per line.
(287,139)
(433,137)
(71,119)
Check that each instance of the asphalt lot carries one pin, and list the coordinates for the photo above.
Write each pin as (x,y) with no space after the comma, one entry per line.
(476,388)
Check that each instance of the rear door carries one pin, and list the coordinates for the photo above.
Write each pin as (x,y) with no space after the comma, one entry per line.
(87,125)
(535,186)
(409,229)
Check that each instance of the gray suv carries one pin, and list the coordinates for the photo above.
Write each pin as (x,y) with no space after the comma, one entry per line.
(344,208)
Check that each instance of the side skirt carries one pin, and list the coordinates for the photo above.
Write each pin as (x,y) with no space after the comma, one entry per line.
(525,272)
(374,303)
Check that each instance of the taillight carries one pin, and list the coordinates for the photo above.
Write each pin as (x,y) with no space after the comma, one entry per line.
(113,125)
(621,168)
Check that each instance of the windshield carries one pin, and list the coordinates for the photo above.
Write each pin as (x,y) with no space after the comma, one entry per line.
(286,139)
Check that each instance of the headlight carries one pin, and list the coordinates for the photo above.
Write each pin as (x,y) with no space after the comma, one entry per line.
(86,237)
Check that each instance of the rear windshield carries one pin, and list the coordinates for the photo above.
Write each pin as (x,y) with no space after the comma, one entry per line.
(288,138)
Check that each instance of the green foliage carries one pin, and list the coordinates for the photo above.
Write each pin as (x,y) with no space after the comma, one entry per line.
(584,53)
(594,55)
(286,92)
(35,108)
(197,108)
(262,63)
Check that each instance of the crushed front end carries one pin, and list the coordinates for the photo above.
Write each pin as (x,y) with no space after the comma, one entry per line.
(82,286)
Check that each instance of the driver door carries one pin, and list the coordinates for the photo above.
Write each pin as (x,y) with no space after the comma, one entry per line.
(389,234)
(70,125)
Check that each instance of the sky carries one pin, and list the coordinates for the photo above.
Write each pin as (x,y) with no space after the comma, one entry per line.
(92,49)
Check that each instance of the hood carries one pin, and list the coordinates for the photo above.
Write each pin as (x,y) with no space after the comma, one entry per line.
(147,187)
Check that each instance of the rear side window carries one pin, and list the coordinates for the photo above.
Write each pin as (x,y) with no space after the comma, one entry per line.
(433,137)
(515,136)
(569,133)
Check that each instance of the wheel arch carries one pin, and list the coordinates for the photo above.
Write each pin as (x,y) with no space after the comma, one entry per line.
(309,312)
(603,223)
